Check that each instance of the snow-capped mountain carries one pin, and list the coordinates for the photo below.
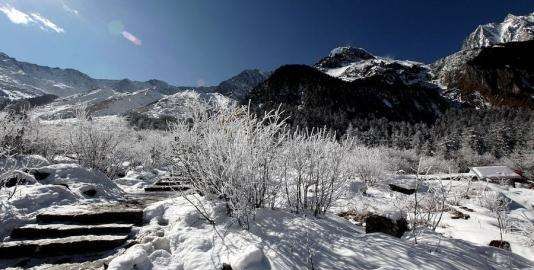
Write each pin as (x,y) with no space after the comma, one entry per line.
(240,85)
(495,66)
(350,64)
(182,104)
(24,80)
(512,29)
(21,80)
(99,102)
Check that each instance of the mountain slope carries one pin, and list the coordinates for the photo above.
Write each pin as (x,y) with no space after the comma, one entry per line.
(488,72)
(315,99)
(349,64)
(240,85)
(21,80)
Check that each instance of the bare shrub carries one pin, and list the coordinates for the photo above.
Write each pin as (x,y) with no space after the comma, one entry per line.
(497,204)
(13,126)
(367,164)
(231,155)
(314,170)
(94,146)
(251,162)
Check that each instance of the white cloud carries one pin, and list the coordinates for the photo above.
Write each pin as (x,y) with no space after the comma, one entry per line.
(44,22)
(69,9)
(15,16)
(129,36)
(18,17)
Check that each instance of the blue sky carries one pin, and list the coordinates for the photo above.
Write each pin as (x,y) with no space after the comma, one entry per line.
(192,42)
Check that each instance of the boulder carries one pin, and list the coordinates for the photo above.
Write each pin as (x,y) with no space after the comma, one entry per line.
(14,178)
(390,226)
(500,244)
(455,214)
(402,189)
(39,175)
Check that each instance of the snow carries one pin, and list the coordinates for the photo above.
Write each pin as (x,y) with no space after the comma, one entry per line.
(494,172)
(278,239)
(137,178)
(78,179)
(409,72)
(512,29)
(182,104)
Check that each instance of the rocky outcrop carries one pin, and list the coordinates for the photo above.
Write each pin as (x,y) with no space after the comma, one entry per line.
(350,64)
(512,29)
(390,226)
(495,67)
(501,75)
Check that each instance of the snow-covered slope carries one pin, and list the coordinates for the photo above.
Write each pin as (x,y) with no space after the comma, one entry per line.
(350,64)
(24,80)
(512,29)
(182,104)
(21,80)
(99,102)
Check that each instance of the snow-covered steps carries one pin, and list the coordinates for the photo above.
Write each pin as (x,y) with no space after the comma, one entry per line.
(171,183)
(155,188)
(61,246)
(39,231)
(123,216)
(167,184)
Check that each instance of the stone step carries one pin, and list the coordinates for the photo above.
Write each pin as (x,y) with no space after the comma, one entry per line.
(39,231)
(60,246)
(171,183)
(134,216)
(155,188)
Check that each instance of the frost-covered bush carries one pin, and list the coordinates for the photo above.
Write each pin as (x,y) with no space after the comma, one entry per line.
(251,162)
(13,126)
(313,170)
(95,146)
(147,148)
(231,155)
(367,164)
(497,203)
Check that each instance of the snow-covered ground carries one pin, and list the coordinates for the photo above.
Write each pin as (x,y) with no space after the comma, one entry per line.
(179,237)
(57,185)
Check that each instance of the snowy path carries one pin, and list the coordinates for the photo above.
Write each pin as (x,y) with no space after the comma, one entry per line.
(85,236)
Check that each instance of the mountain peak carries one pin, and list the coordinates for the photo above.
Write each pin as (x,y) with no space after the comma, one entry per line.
(341,56)
(512,29)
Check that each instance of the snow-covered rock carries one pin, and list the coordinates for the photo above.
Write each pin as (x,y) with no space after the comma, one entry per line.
(350,64)
(79,179)
(512,29)
(181,105)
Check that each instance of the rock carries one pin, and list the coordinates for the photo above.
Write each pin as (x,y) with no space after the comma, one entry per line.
(467,209)
(458,215)
(60,246)
(39,175)
(226,266)
(352,215)
(14,178)
(500,244)
(376,223)
(90,192)
(402,189)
